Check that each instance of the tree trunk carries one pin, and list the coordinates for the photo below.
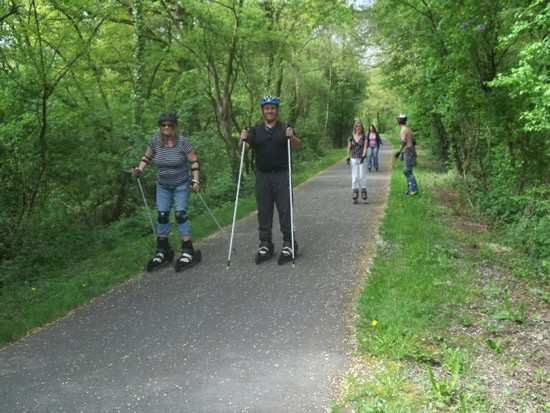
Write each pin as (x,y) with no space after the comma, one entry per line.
(120,200)
(138,68)
(439,132)
(226,124)
(327,111)
(279,82)
(295,102)
(42,149)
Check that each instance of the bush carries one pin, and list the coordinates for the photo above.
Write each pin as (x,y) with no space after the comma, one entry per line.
(524,218)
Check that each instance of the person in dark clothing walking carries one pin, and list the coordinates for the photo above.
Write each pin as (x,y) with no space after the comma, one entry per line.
(269,139)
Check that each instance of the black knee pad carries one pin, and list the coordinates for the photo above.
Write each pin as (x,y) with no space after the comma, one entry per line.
(407,173)
(181,217)
(163,217)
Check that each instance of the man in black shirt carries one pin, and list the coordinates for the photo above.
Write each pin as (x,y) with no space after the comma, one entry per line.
(269,141)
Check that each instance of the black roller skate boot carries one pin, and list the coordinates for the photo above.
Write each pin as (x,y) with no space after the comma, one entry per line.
(163,256)
(286,253)
(188,258)
(364,195)
(355,196)
(264,252)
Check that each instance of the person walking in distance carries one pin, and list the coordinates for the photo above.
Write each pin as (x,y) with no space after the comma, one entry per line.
(373,147)
(407,152)
(269,139)
(357,148)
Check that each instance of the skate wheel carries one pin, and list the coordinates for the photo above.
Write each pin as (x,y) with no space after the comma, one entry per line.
(283,260)
(154,267)
(258,259)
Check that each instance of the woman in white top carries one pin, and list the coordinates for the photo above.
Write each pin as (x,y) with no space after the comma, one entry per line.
(357,150)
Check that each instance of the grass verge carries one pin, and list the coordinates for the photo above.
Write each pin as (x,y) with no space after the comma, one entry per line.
(31,304)
(444,312)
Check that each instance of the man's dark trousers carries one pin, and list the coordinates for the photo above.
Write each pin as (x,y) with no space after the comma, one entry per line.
(272,188)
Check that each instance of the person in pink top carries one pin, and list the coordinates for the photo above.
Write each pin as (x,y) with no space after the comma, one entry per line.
(373,146)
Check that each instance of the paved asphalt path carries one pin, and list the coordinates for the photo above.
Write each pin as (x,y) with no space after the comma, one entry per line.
(263,338)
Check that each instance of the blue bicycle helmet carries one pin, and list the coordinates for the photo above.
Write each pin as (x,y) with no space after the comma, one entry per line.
(269,100)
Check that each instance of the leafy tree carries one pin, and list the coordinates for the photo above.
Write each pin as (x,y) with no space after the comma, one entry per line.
(474,78)
(82,83)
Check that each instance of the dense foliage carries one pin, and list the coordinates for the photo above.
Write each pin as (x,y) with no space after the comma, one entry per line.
(475,78)
(82,83)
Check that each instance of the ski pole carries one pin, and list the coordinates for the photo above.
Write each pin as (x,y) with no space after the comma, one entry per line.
(209,211)
(235,209)
(148,211)
(291,202)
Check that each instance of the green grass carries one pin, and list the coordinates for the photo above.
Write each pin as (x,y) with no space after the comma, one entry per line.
(427,314)
(30,304)
(419,280)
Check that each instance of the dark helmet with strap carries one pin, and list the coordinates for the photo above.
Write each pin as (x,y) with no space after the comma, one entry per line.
(170,117)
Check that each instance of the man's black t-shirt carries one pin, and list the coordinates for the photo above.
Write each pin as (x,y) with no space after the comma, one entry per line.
(269,145)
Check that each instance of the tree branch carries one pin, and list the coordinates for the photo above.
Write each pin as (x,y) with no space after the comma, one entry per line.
(14,8)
